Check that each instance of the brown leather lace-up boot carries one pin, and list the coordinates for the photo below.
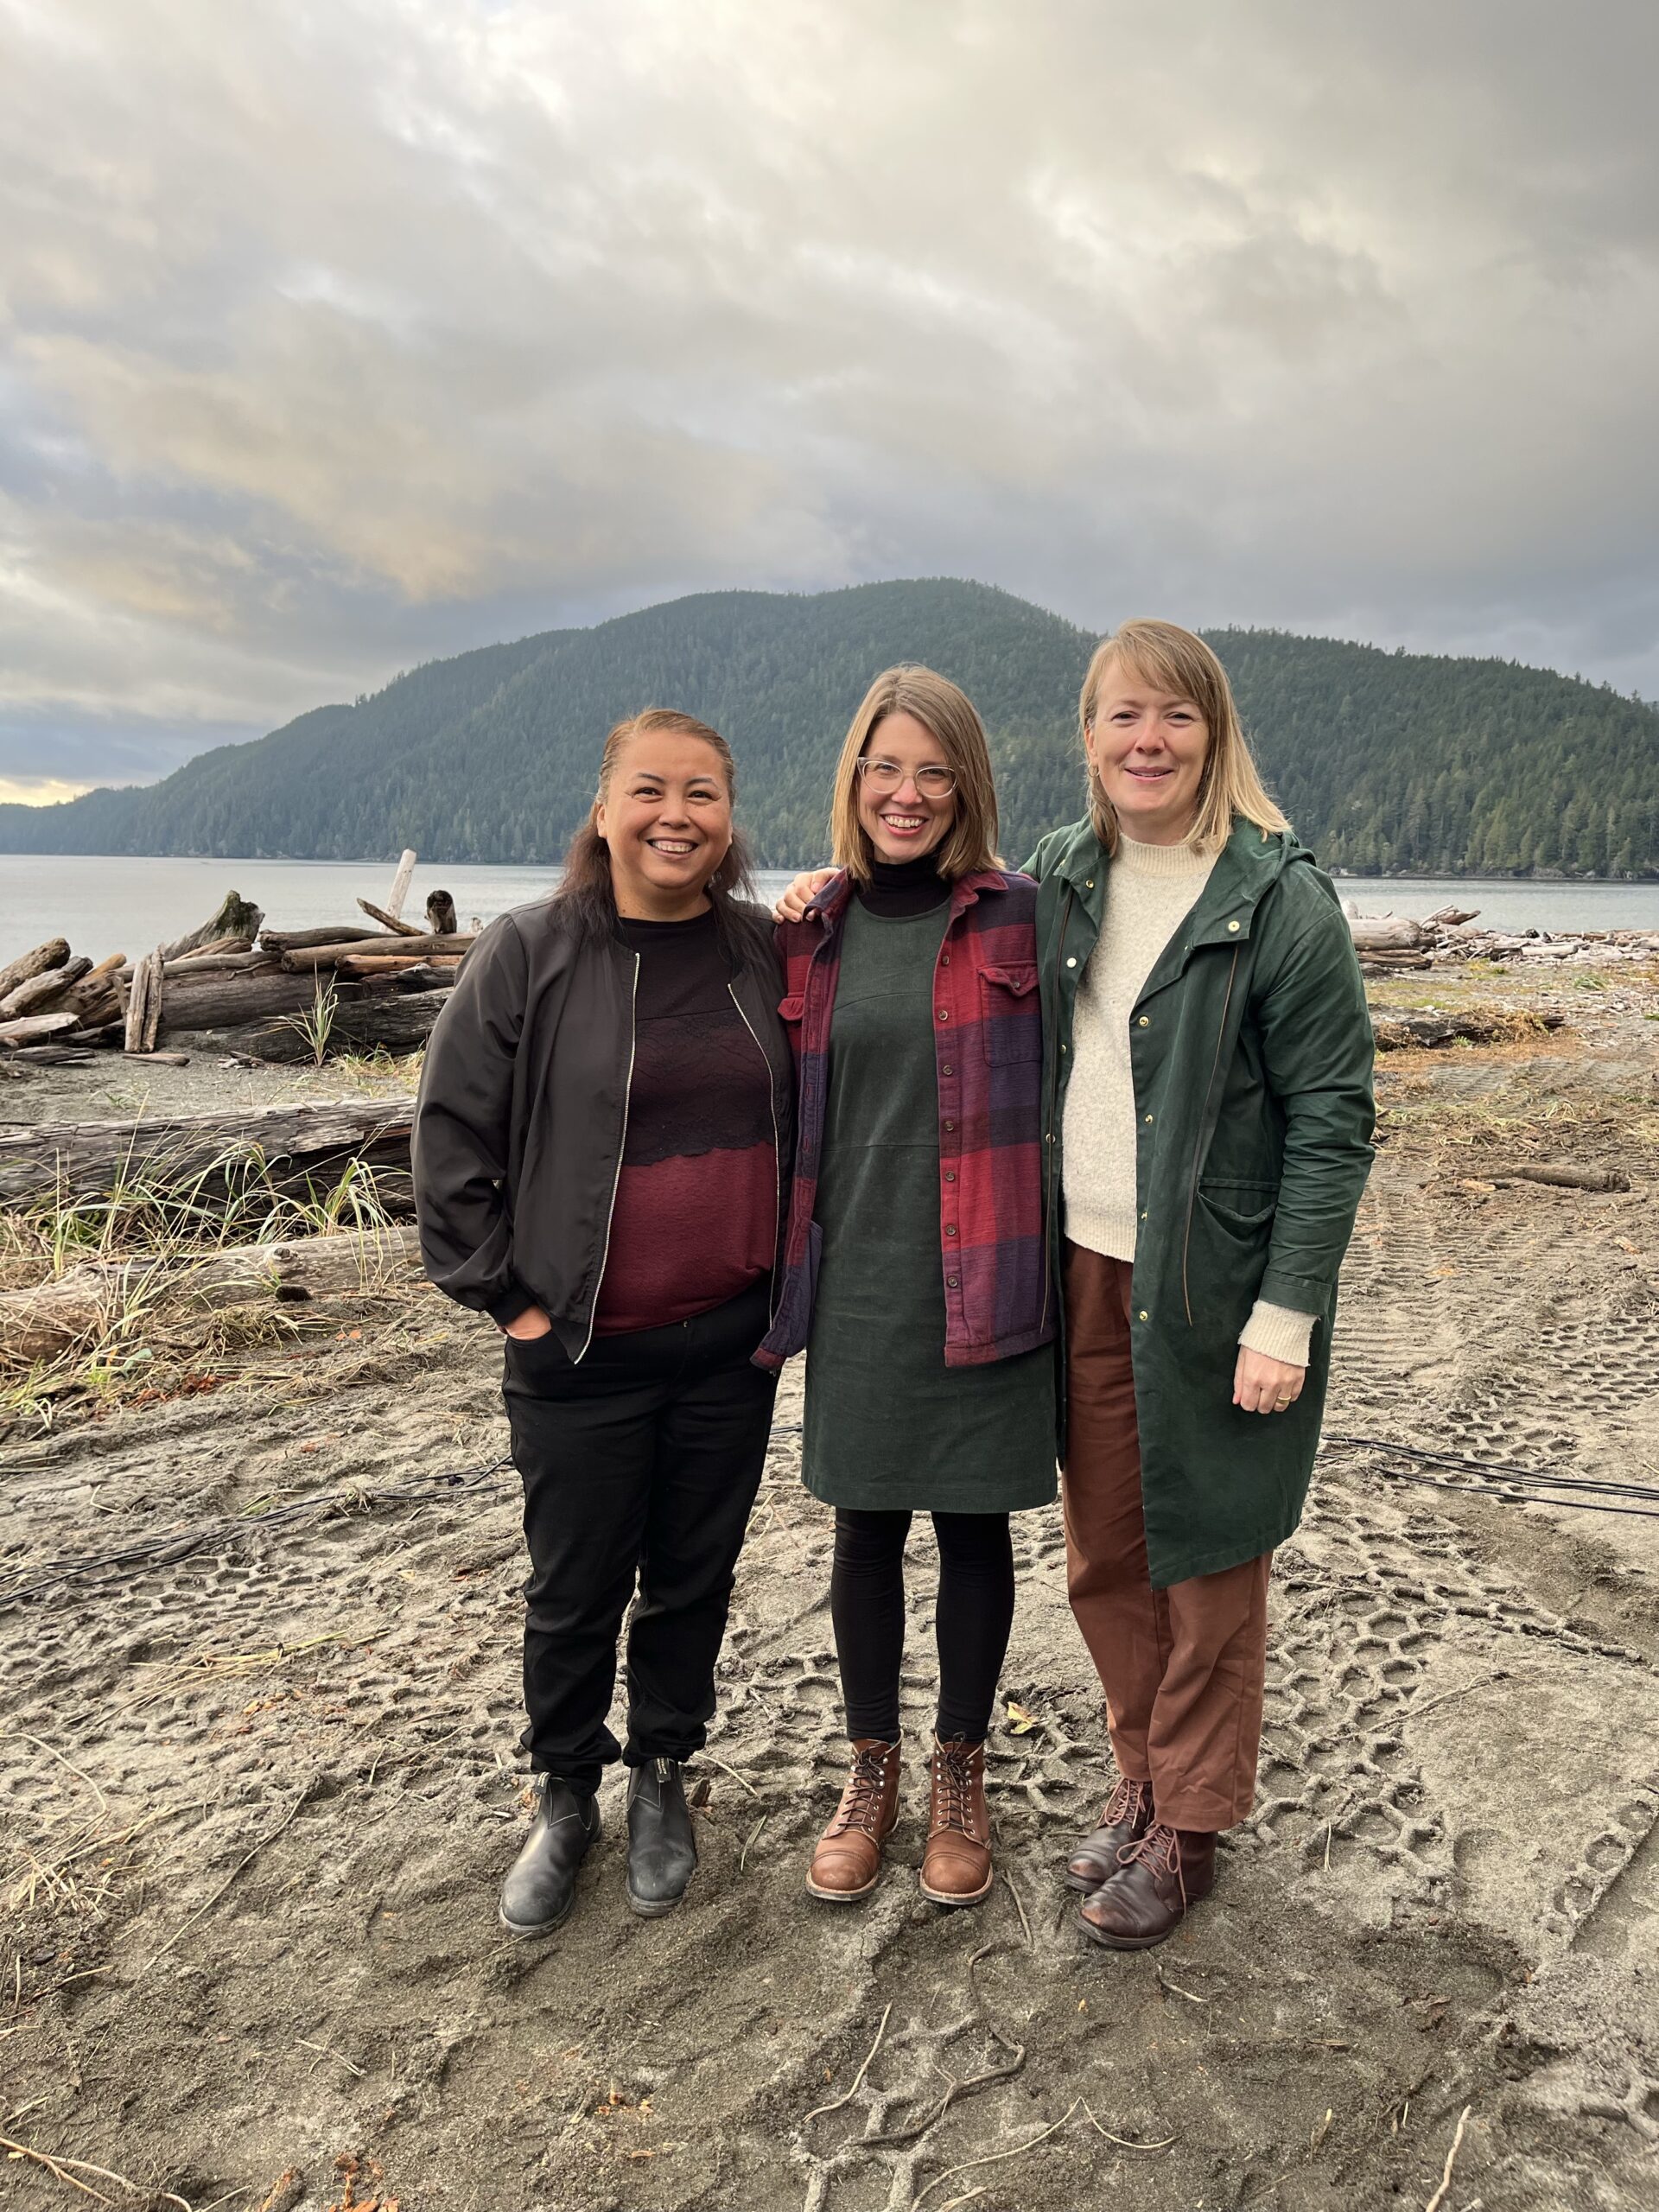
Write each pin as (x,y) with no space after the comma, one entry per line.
(957,1864)
(1124,1819)
(848,1861)
(1158,1880)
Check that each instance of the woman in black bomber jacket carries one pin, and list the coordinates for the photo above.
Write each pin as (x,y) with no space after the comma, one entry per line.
(602,1143)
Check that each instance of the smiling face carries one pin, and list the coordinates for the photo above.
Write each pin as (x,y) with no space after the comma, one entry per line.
(901,816)
(1148,748)
(666,819)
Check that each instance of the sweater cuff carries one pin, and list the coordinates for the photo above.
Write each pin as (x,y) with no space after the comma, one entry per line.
(1278,1333)
(507,1305)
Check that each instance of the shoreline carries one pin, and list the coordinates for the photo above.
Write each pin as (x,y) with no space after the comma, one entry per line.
(1530,880)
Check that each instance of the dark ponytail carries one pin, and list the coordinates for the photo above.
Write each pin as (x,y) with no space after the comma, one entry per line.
(586,891)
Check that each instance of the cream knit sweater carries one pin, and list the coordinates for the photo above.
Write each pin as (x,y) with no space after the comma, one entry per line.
(1154,888)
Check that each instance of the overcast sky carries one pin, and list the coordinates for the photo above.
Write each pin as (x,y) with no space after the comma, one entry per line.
(342,333)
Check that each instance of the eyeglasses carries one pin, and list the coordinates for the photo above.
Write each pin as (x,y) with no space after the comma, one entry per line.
(888,775)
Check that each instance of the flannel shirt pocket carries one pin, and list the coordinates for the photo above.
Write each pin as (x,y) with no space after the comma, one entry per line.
(1009,1019)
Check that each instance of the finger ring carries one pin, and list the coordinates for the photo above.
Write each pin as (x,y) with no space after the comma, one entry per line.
(1282,1403)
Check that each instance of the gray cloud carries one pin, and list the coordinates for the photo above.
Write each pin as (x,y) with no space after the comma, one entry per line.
(336,339)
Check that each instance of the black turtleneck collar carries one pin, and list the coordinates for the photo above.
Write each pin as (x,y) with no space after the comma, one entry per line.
(898,888)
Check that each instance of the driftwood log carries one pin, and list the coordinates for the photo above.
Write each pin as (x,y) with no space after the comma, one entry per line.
(247,963)
(1394,1032)
(367,1017)
(1386,933)
(236,918)
(388,920)
(1558,1173)
(333,933)
(51,954)
(440,965)
(1561,1174)
(42,992)
(93,1004)
(87,1303)
(306,957)
(79,1159)
(216,998)
(392,914)
(36,1028)
(144,1003)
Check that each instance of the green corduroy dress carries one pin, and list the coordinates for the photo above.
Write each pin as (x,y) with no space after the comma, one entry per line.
(888,1426)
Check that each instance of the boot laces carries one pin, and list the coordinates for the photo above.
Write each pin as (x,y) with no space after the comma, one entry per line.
(860,1801)
(953,1777)
(1159,1851)
(1126,1803)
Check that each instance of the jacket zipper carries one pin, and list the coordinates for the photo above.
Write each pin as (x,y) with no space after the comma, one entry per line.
(610,1211)
(1051,1260)
(778,1223)
(1197,1147)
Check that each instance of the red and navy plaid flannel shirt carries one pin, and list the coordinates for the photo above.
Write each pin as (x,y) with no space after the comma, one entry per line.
(989,1043)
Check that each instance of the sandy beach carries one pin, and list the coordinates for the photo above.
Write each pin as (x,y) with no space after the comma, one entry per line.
(259,1775)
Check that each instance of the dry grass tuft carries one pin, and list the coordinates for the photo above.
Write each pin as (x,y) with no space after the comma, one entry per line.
(148,1341)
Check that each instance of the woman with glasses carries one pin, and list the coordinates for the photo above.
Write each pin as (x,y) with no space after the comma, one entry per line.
(914,1268)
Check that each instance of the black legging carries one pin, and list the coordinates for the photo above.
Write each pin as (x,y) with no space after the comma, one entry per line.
(971,1620)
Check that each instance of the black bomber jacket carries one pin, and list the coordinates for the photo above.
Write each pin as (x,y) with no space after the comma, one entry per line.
(523,1109)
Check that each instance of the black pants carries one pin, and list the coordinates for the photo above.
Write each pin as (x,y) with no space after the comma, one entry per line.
(643,1459)
(971,1622)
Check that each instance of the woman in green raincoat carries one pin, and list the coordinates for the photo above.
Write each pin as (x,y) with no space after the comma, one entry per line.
(1207,1127)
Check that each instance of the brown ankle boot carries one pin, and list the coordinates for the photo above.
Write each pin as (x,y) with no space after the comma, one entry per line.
(1124,1819)
(957,1864)
(848,1861)
(1159,1880)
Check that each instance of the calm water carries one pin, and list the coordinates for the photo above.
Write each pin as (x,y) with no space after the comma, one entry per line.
(127,904)
(104,905)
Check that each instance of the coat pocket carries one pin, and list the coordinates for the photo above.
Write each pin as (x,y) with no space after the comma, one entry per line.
(1226,1254)
(1245,1211)
(1009,1019)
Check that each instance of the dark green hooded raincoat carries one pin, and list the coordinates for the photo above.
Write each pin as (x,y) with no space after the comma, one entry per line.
(1251,1051)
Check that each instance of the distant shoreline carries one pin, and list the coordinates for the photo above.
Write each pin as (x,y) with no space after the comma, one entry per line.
(1540,879)
(1436,876)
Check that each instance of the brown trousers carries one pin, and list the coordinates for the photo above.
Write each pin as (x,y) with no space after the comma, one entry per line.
(1182,1667)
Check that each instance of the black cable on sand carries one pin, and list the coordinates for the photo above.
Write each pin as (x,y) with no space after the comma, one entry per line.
(1510,1485)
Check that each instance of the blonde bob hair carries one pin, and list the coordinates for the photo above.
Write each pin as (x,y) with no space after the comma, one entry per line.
(1163,655)
(949,716)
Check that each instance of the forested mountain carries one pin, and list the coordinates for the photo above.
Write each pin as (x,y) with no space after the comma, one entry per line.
(1384,761)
